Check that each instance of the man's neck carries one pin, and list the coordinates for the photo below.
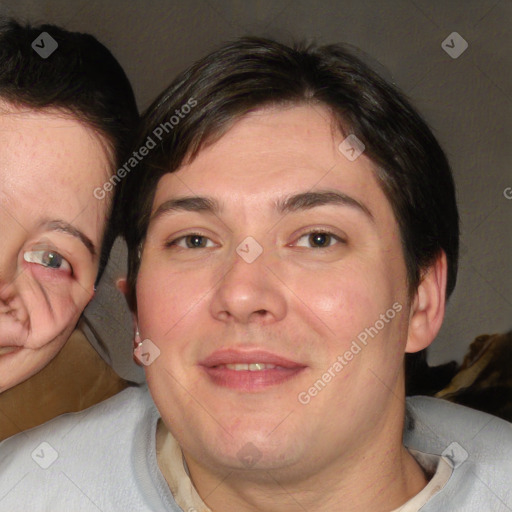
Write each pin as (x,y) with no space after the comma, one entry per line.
(381,482)
(234,492)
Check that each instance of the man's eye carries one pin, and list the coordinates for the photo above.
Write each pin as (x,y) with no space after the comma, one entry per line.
(49,259)
(192,241)
(318,240)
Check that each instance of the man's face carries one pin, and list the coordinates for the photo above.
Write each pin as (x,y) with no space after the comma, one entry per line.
(51,229)
(330,273)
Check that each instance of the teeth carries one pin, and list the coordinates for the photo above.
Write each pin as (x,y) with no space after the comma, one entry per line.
(252,367)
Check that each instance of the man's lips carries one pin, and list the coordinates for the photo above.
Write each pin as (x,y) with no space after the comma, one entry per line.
(249,370)
(233,356)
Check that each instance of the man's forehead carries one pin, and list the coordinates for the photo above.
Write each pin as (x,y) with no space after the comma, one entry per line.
(298,138)
(275,128)
(274,158)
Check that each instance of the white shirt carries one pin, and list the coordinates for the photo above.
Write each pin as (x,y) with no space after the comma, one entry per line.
(104,459)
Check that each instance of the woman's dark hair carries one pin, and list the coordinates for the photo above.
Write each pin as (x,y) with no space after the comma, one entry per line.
(252,73)
(81,77)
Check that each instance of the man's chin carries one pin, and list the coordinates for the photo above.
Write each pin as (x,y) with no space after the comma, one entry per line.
(253,447)
(256,459)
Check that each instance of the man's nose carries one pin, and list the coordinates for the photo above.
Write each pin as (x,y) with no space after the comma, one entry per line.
(249,292)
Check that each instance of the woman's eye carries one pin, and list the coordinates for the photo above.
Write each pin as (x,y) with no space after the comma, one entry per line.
(48,259)
(192,242)
(318,240)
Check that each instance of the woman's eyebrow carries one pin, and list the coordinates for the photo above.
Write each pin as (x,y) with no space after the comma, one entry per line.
(69,229)
(302,201)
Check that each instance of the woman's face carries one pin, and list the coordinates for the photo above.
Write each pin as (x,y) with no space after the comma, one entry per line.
(51,232)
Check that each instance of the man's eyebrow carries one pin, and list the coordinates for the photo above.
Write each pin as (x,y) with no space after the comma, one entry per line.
(309,200)
(188,204)
(303,201)
(69,229)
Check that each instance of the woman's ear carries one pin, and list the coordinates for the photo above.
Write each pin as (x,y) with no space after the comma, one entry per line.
(428,306)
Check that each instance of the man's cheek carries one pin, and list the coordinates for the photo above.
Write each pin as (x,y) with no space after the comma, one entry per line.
(159,283)
(341,305)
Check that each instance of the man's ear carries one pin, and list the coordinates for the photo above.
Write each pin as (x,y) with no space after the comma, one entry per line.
(122,286)
(428,306)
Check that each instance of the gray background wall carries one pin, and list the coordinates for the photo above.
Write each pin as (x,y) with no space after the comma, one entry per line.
(467,102)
